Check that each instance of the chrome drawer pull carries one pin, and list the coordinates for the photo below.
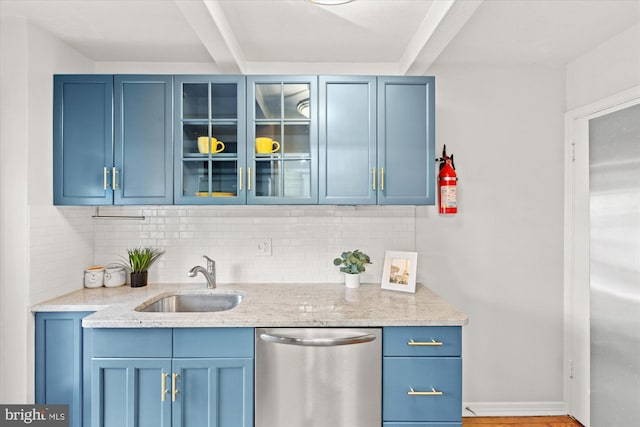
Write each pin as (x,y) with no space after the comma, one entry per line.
(433,392)
(432,343)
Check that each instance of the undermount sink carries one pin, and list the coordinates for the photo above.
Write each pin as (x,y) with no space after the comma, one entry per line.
(193,303)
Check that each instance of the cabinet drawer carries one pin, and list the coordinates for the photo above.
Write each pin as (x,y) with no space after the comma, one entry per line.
(213,342)
(422,374)
(120,342)
(422,341)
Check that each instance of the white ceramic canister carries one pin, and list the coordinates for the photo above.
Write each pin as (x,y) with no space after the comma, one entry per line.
(94,276)
(115,276)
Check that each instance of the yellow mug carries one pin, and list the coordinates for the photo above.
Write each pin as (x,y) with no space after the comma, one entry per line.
(266,145)
(214,147)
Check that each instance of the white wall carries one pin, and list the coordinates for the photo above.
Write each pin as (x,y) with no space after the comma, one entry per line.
(607,69)
(14,213)
(40,244)
(500,258)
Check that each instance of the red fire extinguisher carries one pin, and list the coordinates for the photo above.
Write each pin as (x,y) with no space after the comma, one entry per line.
(447,185)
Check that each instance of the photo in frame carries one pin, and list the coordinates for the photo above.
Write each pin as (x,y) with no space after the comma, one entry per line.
(399,271)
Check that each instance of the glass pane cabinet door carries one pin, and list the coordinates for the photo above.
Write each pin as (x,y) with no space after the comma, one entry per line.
(282,140)
(210,140)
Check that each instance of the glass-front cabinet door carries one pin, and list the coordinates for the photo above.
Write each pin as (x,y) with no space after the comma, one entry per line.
(209,139)
(282,140)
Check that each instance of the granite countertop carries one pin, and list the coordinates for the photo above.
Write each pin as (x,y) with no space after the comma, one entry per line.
(264,305)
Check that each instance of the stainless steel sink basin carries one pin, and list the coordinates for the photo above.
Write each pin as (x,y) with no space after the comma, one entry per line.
(193,303)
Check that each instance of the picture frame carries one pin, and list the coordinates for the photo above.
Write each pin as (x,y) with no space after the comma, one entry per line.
(399,271)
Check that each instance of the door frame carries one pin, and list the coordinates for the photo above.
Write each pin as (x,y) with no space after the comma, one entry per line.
(576,369)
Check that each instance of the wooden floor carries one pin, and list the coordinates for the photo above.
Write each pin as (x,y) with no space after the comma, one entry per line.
(519,422)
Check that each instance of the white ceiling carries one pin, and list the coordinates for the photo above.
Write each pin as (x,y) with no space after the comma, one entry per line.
(409,35)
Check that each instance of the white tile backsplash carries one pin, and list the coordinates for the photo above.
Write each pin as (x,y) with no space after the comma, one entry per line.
(304,239)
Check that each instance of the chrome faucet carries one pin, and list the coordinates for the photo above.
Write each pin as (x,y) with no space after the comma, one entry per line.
(209,273)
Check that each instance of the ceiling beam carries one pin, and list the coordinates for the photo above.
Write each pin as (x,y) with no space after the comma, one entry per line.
(208,21)
(442,23)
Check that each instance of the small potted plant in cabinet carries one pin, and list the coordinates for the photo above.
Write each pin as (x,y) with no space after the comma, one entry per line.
(138,262)
(352,263)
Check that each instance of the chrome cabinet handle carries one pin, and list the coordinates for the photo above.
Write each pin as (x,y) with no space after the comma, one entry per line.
(248,179)
(432,343)
(163,386)
(317,342)
(433,392)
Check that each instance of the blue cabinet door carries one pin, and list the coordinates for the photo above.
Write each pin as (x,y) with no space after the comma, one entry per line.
(131,392)
(82,139)
(406,140)
(347,140)
(422,376)
(215,392)
(143,156)
(282,140)
(59,361)
(209,107)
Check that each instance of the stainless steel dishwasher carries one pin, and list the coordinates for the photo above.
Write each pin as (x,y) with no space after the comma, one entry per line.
(318,377)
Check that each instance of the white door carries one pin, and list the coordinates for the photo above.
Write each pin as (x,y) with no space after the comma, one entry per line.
(579,262)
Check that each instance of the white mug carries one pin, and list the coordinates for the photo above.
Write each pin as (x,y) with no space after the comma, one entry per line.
(94,276)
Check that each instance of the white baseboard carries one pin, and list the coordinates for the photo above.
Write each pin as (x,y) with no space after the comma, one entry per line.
(513,409)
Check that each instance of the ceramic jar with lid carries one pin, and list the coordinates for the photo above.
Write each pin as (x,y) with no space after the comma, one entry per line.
(94,276)
(114,276)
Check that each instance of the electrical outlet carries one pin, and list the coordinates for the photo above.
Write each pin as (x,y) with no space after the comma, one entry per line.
(263,247)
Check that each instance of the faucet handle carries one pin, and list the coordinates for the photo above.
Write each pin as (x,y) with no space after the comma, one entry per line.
(210,262)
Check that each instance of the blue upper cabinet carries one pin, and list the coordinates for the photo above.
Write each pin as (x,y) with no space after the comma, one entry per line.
(142,171)
(406,140)
(210,140)
(112,140)
(282,140)
(231,139)
(347,148)
(82,140)
(376,140)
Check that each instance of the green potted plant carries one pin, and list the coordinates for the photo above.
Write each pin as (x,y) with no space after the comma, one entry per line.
(138,262)
(352,263)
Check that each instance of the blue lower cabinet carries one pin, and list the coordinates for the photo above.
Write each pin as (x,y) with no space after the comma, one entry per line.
(422,377)
(192,390)
(59,361)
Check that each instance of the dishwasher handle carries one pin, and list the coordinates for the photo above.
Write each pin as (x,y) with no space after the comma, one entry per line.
(317,342)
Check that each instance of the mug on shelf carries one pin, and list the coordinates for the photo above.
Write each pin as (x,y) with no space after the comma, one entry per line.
(266,145)
(215,146)
(94,276)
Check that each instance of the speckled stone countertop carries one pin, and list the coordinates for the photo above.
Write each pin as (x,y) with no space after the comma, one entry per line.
(264,305)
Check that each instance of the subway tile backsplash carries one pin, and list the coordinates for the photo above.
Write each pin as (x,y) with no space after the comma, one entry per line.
(304,240)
